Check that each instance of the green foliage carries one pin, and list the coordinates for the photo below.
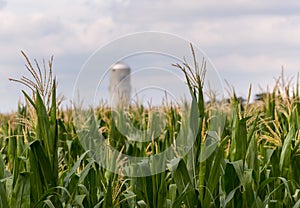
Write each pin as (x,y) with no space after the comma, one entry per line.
(239,155)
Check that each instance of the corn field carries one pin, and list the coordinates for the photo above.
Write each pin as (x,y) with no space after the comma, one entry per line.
(252,161)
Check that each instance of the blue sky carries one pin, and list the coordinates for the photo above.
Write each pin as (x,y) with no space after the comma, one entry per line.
(248,41)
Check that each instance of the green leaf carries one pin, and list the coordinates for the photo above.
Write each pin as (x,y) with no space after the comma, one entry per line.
(21,193)
(229,197)
(172,193)
(79,199)
(43,163)
(285,155)
(108,200)
(49,203)
(180,198)
(2,167)
(239,169)
(214,175)
(297,204)
(3,198)
(182,179)
(74,168)
(142,204)
(29,99)
(211,143)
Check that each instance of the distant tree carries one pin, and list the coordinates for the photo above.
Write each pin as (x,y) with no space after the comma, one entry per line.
(261,96)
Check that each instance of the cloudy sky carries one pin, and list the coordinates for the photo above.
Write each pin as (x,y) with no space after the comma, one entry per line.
(248,41)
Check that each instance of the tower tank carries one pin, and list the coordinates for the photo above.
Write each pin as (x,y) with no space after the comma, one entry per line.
(119,85)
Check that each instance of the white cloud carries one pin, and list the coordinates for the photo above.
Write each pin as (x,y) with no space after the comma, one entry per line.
(2,4)
(239,35)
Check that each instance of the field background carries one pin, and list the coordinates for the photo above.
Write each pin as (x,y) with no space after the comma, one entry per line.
(252,162)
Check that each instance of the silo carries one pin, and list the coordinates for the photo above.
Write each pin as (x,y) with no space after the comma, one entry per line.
(119,85)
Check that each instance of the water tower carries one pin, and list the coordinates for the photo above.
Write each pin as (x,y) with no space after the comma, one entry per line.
(119,85)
